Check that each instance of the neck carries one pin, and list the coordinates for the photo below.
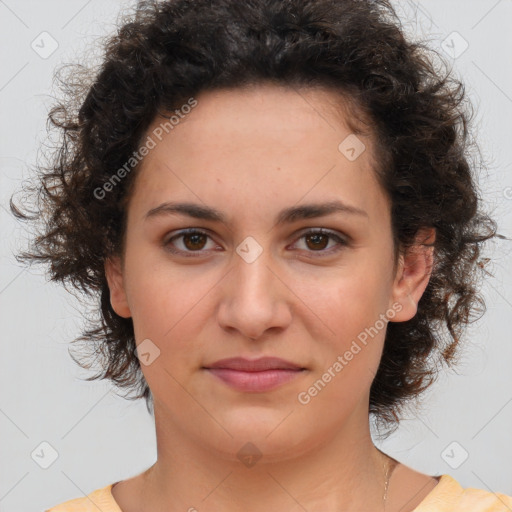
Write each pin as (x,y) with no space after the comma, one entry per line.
(342,471)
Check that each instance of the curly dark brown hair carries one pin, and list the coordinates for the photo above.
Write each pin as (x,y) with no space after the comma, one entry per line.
(167,52)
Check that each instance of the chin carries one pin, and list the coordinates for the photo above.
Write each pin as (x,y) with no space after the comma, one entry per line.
(273,437)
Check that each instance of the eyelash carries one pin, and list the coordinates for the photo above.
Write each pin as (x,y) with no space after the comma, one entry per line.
(195,231)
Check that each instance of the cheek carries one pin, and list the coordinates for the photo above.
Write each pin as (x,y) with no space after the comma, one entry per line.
(348,359)
(349,307)
(172,319)
(351,301)
(168,307)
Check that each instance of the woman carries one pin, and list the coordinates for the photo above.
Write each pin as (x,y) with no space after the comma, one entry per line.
(273,202)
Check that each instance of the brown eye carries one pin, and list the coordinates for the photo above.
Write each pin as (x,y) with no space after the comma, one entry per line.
(318,242)
(194,241)
(188,242)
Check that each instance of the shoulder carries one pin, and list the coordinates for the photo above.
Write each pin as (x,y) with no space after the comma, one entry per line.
(100,499)
(486,501)
(449,496)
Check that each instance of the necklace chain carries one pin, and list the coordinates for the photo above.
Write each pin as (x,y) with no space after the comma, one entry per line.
(388,469)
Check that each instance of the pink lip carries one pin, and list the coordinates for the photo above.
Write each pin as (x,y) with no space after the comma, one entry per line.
(254,375)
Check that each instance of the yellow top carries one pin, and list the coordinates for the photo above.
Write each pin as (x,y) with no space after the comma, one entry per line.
(446,496)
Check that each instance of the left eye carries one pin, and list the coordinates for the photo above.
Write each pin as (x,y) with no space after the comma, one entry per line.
(195,240)
(318,240)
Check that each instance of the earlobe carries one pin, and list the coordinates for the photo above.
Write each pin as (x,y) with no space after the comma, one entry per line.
(413,274)
(115,280)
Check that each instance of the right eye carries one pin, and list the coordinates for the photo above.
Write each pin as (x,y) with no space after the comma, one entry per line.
(192,240)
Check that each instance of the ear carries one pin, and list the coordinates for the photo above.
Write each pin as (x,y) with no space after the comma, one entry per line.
(413,274)
(115,280)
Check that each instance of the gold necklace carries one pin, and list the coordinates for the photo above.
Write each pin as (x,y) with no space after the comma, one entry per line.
(390,467)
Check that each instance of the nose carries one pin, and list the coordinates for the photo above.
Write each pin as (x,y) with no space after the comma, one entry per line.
(254,298)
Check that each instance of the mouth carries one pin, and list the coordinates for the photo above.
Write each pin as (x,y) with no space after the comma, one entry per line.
(256,375)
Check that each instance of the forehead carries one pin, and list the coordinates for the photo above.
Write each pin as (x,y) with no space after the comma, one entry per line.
(263,143)
(268,108)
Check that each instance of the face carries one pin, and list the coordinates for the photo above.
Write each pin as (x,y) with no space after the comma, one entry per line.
(255,277)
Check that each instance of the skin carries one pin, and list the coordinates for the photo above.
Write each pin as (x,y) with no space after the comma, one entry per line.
(251,153)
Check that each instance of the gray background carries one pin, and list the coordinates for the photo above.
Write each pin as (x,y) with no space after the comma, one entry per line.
(100,438)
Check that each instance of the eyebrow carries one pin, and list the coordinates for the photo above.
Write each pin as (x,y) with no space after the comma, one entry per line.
(287,215)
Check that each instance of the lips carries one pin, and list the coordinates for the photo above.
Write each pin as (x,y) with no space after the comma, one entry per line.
(257,375)
(254,365)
